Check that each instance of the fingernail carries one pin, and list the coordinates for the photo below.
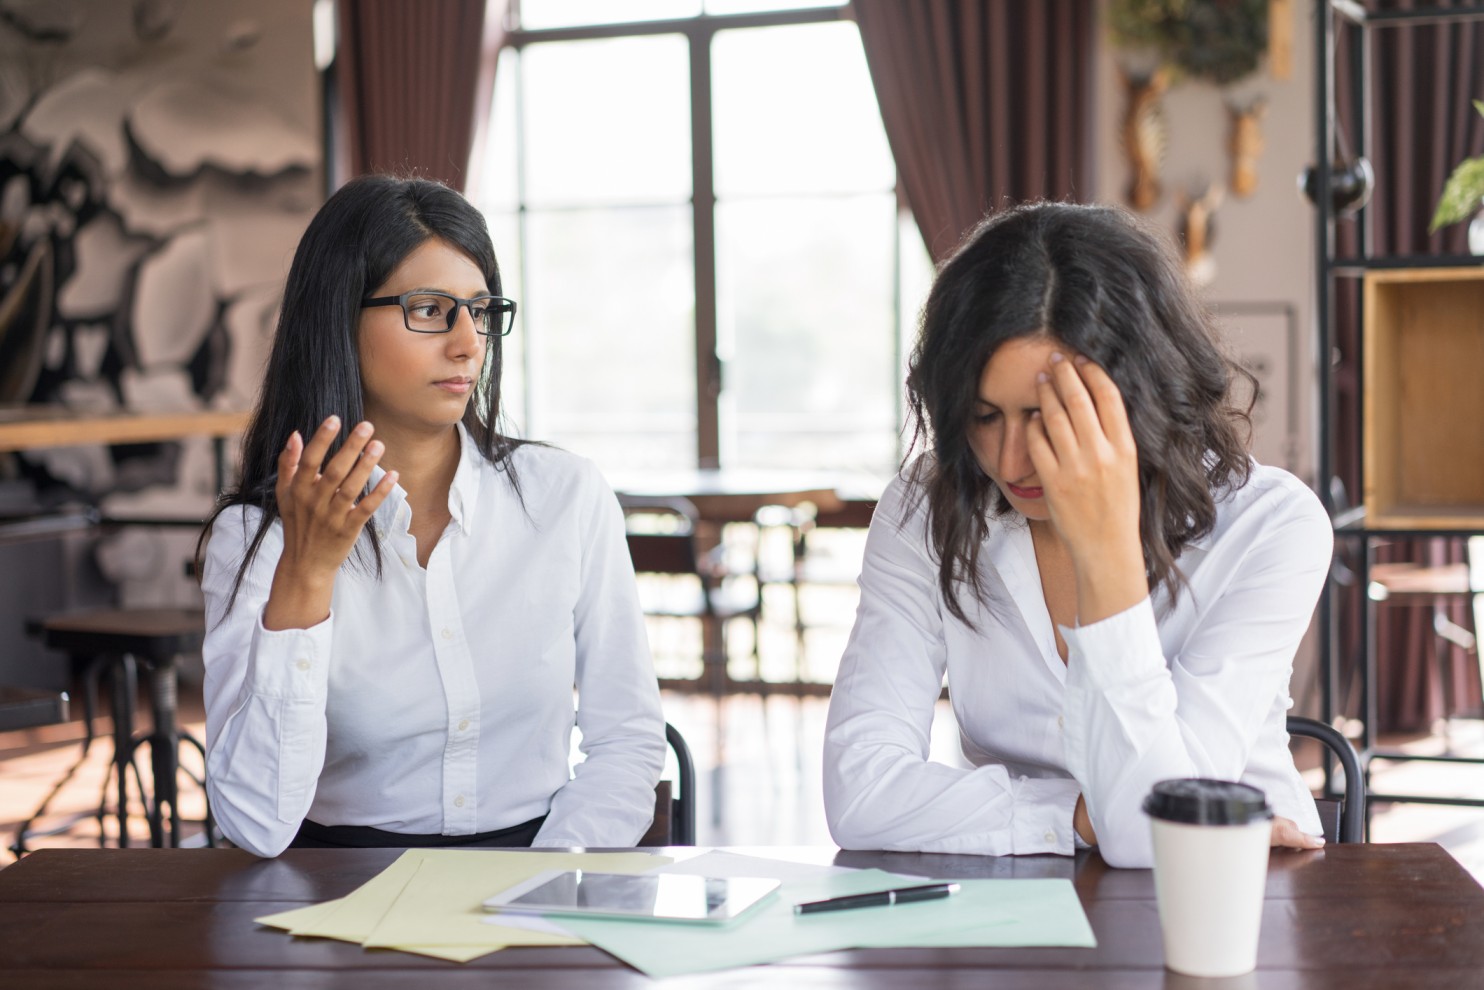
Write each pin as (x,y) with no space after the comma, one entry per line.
(1042,378)
(394,476)
(363,429)
(374,448)
(333,422)
(1079,360)
(1056,356)
(1035,414)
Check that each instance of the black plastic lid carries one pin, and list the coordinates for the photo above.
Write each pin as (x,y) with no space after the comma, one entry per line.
(1198,801)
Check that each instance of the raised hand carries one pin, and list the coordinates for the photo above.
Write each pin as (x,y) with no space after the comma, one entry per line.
(1088,465)
(323,512)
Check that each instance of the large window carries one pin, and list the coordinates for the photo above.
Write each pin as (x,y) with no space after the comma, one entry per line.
(698,215)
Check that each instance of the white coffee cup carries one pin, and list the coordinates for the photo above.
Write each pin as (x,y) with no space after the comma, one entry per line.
(1211,841)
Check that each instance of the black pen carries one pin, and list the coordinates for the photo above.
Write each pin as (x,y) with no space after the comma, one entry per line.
(879,898)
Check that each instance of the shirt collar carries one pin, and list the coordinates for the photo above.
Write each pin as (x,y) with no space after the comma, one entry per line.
(463,494)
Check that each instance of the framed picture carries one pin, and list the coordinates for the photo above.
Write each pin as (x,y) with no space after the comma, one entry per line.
(1264,337)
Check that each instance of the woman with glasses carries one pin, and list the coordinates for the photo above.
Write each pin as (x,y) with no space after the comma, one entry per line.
(1114,589)
(400,598)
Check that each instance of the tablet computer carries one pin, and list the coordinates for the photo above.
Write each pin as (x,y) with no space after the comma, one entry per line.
(653,896)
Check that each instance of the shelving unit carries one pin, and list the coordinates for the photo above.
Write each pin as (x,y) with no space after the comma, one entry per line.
(1422,397)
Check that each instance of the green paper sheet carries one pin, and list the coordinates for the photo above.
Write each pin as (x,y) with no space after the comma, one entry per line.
(983,913)
(1002,913)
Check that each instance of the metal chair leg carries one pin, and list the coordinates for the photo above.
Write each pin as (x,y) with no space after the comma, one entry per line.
(125,683)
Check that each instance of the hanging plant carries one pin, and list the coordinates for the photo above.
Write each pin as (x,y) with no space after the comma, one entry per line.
(1217,40)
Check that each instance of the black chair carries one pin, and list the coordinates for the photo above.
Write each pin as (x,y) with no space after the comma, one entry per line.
(675,817)
(1343,820)
(120,642)
(661,535)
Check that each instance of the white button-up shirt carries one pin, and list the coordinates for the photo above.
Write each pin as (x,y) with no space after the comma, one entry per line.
(1197,689)
(440,701)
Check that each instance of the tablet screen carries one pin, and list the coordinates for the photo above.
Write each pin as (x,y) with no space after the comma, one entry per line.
(660,896)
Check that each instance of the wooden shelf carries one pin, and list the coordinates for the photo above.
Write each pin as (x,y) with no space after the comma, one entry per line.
(33,427)
(1423,352)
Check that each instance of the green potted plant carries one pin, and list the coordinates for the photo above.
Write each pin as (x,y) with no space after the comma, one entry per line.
(1463,194)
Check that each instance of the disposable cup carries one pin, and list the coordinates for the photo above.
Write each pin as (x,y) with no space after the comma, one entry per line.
(1211,841)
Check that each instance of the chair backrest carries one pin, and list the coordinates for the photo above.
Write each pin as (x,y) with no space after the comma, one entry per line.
(661,535)
(675,817)
(1344,821)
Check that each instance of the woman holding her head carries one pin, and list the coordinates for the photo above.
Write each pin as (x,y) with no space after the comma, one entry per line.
(400,599)
(1114,589)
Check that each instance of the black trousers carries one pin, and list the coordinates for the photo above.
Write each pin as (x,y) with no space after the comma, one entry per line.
(313,835)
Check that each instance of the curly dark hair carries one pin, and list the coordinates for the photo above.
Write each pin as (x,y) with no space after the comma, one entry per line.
(1106,285)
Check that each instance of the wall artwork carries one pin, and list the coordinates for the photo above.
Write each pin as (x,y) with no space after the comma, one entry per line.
(158,161)
(1219,42)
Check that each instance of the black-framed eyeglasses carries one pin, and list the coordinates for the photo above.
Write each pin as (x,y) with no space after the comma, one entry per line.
(436,312)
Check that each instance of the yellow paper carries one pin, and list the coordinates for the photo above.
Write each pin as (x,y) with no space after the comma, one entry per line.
(314,914)
(453,953)
(289,920)
(357,914)
(442,904)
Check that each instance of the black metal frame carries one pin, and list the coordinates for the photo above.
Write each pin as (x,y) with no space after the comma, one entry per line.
(683,812)
(1353,807)
(1352,16)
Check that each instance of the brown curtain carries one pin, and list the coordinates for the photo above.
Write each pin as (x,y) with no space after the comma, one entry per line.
(410,77)
(985,102)
(1421,82)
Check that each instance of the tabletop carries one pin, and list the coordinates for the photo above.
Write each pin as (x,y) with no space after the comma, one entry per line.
(735,494)
(1355,916)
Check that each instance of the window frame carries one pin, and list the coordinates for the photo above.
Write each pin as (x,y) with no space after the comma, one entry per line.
(699,31)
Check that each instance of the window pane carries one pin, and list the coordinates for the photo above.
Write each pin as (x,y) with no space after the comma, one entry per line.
(756,6)
(795,112)
(611,329)
(504,231)
(496,186)
(806,311)
(535,14)
(607,121)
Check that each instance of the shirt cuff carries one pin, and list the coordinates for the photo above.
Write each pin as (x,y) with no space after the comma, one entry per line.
(1043,815)
(292,663)
(1121,649)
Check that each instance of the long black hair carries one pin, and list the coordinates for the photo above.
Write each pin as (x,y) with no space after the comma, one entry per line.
(1106,285)
(352,246)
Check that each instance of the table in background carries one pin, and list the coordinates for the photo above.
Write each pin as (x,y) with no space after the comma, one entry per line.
(723,495)
(1352,916)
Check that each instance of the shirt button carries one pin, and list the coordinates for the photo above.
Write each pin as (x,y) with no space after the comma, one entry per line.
(458,802)
(463,724)
(1061,722)
(302,664)
(447,633)
(1050,836)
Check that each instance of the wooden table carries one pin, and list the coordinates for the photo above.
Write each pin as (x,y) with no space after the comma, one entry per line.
(1352,916)
(723,495)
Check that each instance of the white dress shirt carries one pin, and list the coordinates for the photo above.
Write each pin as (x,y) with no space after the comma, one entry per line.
(1199,689)
(440,701)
